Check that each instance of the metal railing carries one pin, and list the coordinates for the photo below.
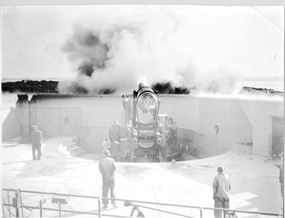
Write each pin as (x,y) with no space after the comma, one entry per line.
(17,204)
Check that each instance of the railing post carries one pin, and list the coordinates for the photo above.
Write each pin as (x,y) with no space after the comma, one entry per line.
(3,209)
(59,207)
(20,194)
(99,207)
(9,202)
(15,203)
(133,210)
(41,209)
(201,212)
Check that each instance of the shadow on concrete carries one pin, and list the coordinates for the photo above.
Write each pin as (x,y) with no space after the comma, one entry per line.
(19,160)
(43,167)
(119,211)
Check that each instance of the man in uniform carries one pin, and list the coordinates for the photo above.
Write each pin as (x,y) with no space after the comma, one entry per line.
(281,179)
(107,168)
(106,143)
(115,150)
(115,132)
(36,142)
(115,140)
(221,188)
(174,133)
(162,145)
(132,143)
(127,110)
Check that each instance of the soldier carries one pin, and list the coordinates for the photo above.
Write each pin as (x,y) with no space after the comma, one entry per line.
(111,137)
(162,146)
(127,110)
(115,150)
(281,179)
(107,168)
(174,132)
(36,142)
(132,143)
(106,144)
(115,132)
(221,188)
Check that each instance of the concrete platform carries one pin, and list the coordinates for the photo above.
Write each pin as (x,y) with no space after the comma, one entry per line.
(255,183)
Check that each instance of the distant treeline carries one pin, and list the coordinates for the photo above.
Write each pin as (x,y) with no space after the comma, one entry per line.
(43,86)
(30,86)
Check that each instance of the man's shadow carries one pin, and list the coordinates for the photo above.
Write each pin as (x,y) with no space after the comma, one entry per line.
(46,166)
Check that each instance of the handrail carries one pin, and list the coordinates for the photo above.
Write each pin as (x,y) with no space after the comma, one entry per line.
(164,211)
(131,204)
(242,211)
(52,193)
(79,212)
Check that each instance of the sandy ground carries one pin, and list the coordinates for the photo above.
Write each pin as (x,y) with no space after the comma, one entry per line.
(255,183)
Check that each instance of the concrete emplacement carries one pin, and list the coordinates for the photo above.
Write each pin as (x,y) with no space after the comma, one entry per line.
(225,129)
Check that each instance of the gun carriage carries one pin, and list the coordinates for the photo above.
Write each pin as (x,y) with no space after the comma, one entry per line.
(143,131)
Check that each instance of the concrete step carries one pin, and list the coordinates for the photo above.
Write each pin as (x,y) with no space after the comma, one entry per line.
(71,146)
(70,140)
(67,142)
(75,150)
(80,153)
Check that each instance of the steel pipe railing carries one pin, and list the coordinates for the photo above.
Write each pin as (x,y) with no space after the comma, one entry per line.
(128,202)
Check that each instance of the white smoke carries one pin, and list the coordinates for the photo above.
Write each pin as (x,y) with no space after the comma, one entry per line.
(116,56)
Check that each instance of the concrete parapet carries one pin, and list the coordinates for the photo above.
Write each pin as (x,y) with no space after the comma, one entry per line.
(214,124)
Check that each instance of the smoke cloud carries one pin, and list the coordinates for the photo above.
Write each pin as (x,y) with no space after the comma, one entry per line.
(114,57)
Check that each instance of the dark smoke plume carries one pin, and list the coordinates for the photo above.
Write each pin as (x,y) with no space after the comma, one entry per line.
(73,87)
(86,50)
(167,88)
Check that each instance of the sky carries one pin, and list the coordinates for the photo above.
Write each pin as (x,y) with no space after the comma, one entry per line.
(100,46)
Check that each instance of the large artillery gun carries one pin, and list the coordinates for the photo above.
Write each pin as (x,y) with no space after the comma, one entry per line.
(143,127)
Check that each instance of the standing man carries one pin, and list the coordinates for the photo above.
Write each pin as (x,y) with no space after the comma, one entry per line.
(106,144)
(174,132)
(107,169)
(162,145)
(281,179)
(37,137)
(221,188)
(115,150)
(115,140)
(132,143)
(127,110)
(115,132)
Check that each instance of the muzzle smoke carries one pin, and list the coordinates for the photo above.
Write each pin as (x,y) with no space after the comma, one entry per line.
(112,57)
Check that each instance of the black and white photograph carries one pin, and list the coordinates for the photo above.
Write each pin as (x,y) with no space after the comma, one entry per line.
(142,110)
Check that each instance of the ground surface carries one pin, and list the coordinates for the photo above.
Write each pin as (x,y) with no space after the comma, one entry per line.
(255,183)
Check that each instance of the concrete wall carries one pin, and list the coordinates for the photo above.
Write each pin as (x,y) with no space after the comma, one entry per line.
(228,116)
(89,117)
(184,109)
(15,121)
(239,121)
(259,114)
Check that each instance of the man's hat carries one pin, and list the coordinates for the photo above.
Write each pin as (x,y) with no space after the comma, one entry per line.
(220,169)
(106,153)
